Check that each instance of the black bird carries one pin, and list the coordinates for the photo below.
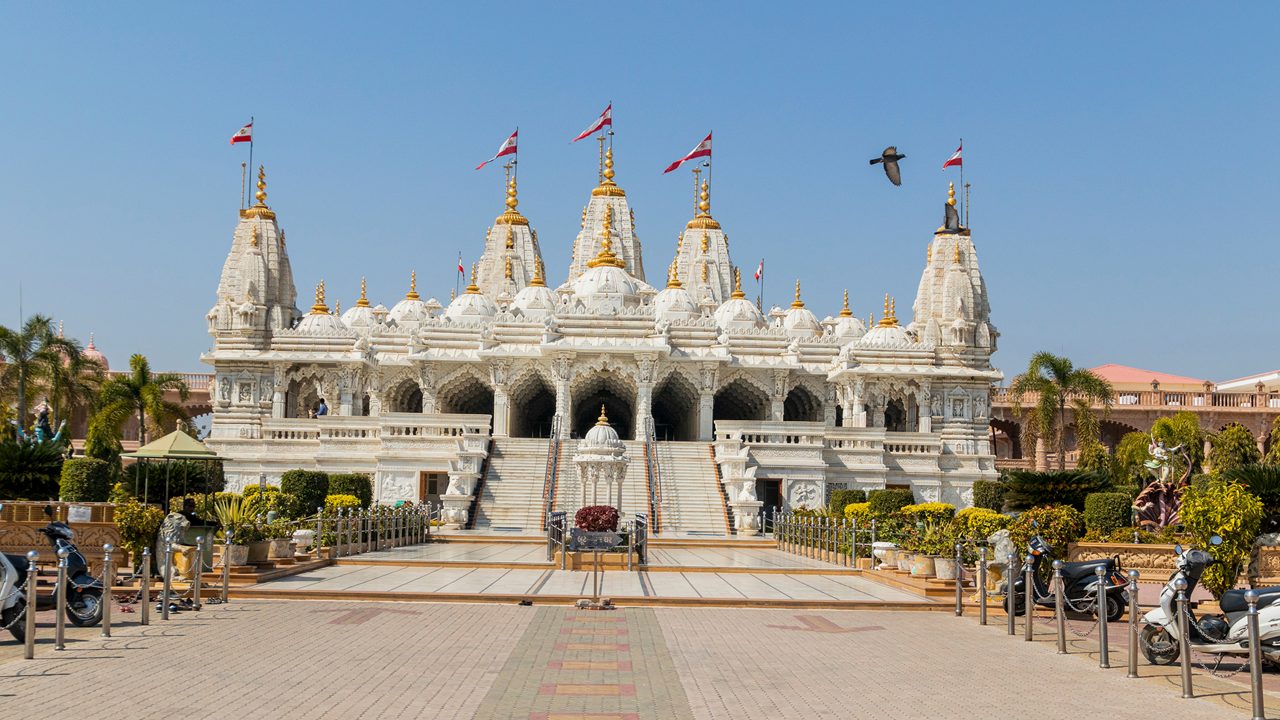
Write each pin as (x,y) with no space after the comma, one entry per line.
(890,158)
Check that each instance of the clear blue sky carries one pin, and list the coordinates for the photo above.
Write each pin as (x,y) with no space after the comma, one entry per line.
(1124,158)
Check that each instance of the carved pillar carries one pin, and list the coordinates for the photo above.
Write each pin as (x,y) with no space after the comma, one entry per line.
(562,371)
(646,370)
(501,399)
(427,378)
(777,403)
(280,385)
(706,402)
(829,407)
(879,402)
(857,416)
(346,380)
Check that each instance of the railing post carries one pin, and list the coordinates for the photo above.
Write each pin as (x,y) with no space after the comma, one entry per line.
(145,605)
(168,580)
(108,579)
(1011,597)
(1104,651)
(319,529)
(1029,586)
(29,651)
(226,563)
(198,579)
(1184,641)
(1059,613)
(1133,624)
(982,585)
(60,593)
(959,581)
(1255,657)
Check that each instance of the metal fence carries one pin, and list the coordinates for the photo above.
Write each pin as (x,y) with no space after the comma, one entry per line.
(353,531)
(835,540)
(636,531)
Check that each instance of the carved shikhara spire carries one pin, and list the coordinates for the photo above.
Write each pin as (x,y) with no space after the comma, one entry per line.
(364,299)
(319,308)
(413,287)
(737,284)
(473,289)
(606,257)
(797,303)
(845,311)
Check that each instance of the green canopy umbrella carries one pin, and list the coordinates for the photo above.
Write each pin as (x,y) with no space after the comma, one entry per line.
(177,445)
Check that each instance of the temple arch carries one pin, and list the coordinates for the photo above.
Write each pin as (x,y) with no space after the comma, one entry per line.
(675,408)
(465,393)
(404,397)
(532,406)
(802,404)
(740,399)
(608,388)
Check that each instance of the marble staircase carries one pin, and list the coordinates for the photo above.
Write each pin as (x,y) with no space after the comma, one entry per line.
(511,499)
(692,502)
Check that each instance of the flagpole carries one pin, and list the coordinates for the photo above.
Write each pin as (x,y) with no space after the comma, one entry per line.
(457,276)
(697,171)
(966,200)
(252,130)
(760,294)
(242,176)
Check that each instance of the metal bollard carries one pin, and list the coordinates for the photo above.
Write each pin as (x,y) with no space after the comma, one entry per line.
(1133,624)
(1029,585)
(199,576)
(1058,607)
(1104,651)
(29,651)
(145,605)
(60,592)
(319,529)
(1011,598)
(108,579)
(1184,642)
(853,543)
(226,564)
(982,585)
(168,580)
(1255,657)
(959,582)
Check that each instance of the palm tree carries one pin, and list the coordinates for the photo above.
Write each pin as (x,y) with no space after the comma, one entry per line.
(73,384)
(139,393)
(31,354)
(1054,381)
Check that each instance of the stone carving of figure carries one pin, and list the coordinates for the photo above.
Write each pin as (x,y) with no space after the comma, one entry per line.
(707,378)
(245,393)
(224,390)
(935,404)
(562,368)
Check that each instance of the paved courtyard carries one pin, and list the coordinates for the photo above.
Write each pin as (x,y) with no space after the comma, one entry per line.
(524,553)
(263,659)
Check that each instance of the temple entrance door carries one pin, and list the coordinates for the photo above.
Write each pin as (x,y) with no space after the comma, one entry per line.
(431,485)
(675,409)
(614,393)
(769,491)
(533,407)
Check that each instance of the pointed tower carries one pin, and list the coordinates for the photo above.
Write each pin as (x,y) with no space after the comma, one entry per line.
(951,307)
(626,246)
(703,263)
(256,296)
(511,254)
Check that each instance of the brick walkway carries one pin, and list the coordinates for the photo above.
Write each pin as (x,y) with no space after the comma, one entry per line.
(287,659)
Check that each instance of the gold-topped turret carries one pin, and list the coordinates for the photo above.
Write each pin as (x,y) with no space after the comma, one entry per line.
(737,285)
(797,303)
(364,299)
(603,419)
(607,186)
(890,318)
(511,216)
(703,219)
(845,311)
(538,279)
(413,287)
(260,209)
(319,308)
(606,258)
(473,289)
(672,280)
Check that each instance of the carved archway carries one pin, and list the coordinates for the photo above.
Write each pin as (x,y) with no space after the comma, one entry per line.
(675,408)
(741,399)
(1007,438)
(465,393)
(802,405)
(603,387)
(404,397)
(533,405)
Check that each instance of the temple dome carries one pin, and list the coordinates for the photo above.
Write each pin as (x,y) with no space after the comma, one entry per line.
(674,304)
(609,287)
(602,438)
(472,304)
(847,326)
(535,301)
(411,310)
(320,321)
(738,314)
(92,353)
(360,315)
(887,332)
(799,321)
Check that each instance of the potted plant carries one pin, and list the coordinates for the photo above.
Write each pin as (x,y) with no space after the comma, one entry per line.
(279,536)
(942,540)
(232,513)
(254,535)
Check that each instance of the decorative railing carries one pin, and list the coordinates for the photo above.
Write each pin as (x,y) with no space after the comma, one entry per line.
(359,530)
(552,470)
(654,473)
(770,432)
(836,540)
(1137,399)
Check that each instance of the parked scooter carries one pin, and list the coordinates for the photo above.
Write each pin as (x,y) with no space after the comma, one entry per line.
(1214,634)
(84,591)
(1080,584)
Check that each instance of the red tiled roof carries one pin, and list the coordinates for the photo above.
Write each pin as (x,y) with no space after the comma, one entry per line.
(1114,373)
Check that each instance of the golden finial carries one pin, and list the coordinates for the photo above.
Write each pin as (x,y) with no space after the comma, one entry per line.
(538,280)
(672,280)
(706,273)
(956,256)
(507,270)
(260,209)
(337,307)
(845,311)
(512,200)
(679,243)
(583,224)
(951,194)
(890,318)
(473,289)
(606,256)
(706,244)
(603,419)
(797,303)
(319,308)
(511,216)
(607,186)
(413,287)
(737,284)
(928,254)
(511,241)
(608,166)
(364,299)
(261,195)
(254,239)
(871,319)
(453,295)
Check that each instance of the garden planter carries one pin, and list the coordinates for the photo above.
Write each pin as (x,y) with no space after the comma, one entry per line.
(945,568)
(885,553)
(237,554)
(302,540)
(904,560)
(258,551)
(279,548)
(922,565)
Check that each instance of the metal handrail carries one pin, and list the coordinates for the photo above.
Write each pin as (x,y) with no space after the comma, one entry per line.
(655,472)
(553,469)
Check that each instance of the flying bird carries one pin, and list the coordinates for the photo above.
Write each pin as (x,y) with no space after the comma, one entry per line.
(890,158)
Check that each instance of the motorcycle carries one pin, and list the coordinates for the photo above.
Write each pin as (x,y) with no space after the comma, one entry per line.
(1080,585)
(84,591)
(1226,634)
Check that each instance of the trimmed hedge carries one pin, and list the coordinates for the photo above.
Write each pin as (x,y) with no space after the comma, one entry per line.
(310,487)
(85,480)
(340,501)
(842,498)
(1106,512)
(358,485)
(884,503)
(988,494)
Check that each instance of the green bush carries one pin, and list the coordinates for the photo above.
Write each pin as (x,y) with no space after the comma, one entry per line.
(979,523)
(1059,525)
(358,485)
(1026,489)
(841,497)
(284,505)
(1232,448)
(931,514)
(884,503)
(85,480)
(310,487)
(859,511)
(988,494)
(1228,510)
(334,503)
(1104,512)
(138,524)
(29,471)
(184,476)
(1263,482)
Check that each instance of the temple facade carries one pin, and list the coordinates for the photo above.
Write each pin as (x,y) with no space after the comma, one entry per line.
(725,411)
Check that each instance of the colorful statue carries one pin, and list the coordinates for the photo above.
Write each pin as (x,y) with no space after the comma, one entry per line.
(43,433)
(1160,502)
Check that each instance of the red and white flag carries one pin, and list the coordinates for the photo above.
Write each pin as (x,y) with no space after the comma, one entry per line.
(244,134)
(606,118)
(508,148)
(461,270)
(955,158)
(760,270)
(702,149)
